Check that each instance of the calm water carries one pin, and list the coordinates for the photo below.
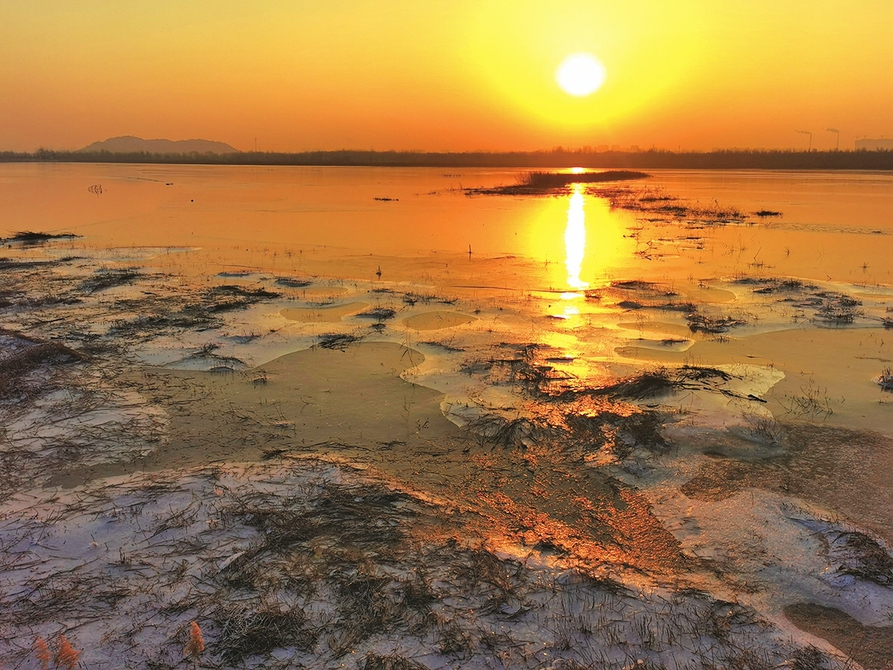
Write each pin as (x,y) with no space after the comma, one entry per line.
(416,224)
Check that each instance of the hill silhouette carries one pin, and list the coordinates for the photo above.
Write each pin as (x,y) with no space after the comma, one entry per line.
(129,144)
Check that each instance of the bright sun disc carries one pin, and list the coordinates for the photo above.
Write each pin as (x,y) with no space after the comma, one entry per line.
(580,74)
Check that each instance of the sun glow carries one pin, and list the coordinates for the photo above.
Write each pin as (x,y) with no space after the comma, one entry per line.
(580,74)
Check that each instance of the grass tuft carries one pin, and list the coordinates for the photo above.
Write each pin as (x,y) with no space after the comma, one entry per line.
(28,237)
(372,661)
(246,632)
(338,341)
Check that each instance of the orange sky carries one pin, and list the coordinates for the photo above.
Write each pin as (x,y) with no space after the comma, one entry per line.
(444,75)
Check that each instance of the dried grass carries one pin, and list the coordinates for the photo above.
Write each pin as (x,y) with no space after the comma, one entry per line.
(390,662)
(338,341)
(17,370)
(246,631)
(30,237)
(105,278)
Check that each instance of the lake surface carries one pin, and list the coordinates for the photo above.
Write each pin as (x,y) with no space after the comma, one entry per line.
(834,225)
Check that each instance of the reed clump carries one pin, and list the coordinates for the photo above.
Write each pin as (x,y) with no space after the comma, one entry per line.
(246,631)
(32,237)
(17,370)
(338,341)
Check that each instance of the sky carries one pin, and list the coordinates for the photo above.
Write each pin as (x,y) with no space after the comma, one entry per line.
(445,75)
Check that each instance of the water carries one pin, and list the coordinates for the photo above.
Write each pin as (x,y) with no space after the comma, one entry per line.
(834,225)
(542,268)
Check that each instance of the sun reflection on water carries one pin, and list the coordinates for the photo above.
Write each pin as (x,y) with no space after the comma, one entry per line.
(575,240)
(583,243)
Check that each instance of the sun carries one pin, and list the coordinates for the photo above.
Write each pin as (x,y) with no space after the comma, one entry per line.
(580,74)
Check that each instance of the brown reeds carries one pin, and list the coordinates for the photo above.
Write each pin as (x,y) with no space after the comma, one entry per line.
(66,657)
(42,653)
(16,369)
(196,644)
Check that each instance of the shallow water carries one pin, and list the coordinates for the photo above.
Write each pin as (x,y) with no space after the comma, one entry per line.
(834,225)
(526,261)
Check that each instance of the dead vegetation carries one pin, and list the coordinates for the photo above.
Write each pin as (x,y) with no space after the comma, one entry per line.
(293,282)
(411,298)
(867,645)
(161,312)
(581,420)
(637,295)
(25,368)
(377,314)
(530,372)
(338,341)
(657,204)
(828,307)
(552,183)
(247,632)
(374,661)
(308,564)
(712,325)
(228,297)
(653,203)
(30,237)
(106,278)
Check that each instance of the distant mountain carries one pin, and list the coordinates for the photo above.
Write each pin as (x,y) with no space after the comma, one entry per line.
(130,144)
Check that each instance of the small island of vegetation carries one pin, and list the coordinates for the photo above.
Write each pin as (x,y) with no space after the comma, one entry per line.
(539,183)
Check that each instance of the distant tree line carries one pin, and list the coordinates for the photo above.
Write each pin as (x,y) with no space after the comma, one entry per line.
(555,158)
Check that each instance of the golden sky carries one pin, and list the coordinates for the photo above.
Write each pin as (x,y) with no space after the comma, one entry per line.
(450,75)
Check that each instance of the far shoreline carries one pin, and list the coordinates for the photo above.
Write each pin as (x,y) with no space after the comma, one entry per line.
(879,160)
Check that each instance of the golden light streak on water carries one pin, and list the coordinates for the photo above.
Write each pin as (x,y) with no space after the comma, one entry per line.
(575,240)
